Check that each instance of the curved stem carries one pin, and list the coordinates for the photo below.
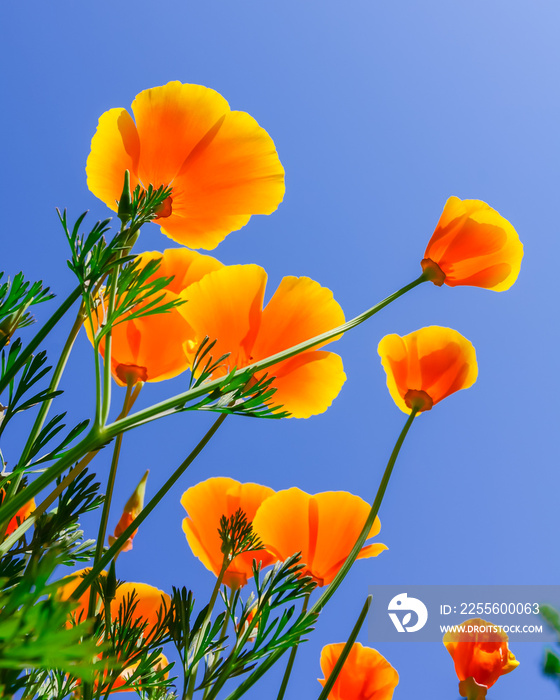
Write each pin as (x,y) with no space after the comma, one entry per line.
(351,558)
(148,508)
(39,337)
(331,680)
(292,658)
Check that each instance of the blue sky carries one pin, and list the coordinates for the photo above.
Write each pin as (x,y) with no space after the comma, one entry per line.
(379,111)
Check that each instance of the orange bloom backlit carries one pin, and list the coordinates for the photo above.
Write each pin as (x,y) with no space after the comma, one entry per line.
(482,654)
(222,166)
(148,599)
(149,602)
(427,365)
(324,528)
(156,347)
(366,675)
(473,245)
(205,504)
(227,306)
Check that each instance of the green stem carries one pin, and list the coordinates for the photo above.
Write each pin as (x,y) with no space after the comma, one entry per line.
(327,595)
(170,406)
(113,282)
(329,683)
(108,498)
(39,337)
(148,508)
(351,558)
(292,658)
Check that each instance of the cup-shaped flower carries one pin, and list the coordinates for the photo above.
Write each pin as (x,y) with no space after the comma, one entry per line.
(473,245)
(427,365)
(323,527)
(156,347)
(149,600)
(23,513)
(149,603)
(480,651)
(222,166)
(365,675)
(227,306)
(205,504)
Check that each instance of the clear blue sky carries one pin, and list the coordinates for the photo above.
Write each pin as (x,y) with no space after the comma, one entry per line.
(380,111)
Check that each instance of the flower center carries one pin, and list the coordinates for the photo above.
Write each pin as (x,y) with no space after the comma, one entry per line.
(165,209)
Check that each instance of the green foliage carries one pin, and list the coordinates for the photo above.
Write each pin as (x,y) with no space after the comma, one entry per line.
(92,256)
(136,296)
(243,394)
(237,535)
(16,296)
(33,371)
(33,629)
(135,647)
(193,639)
(258,633)
(60,527)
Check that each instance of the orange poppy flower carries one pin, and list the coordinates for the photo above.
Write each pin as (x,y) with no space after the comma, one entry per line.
(148,599)
(427,365)
(473,245)
(222,166)
(480,652)
(205,504)
(155,347)
(226,306)
(365,675)
(324,528)
(23,513)
(149,602)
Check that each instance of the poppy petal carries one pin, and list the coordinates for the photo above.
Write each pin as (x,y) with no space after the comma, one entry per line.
(365,675)
(185,266)
(226,306)
(171,120)
(114,148)
(282,523)
(341,517)
(233,173)
(308,383)
(299,310)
